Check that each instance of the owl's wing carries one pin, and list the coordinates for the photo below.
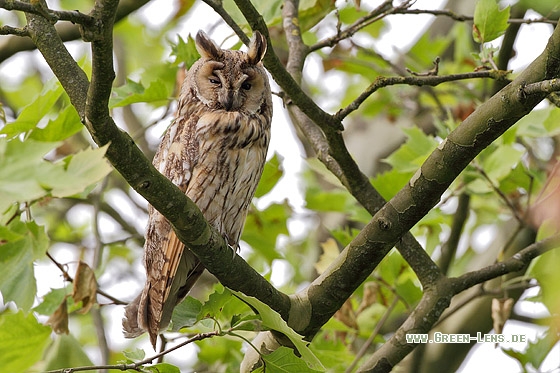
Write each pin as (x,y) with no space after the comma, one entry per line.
(171,270)
(180,270)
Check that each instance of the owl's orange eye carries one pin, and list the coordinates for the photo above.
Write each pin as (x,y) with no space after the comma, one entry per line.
(214,80)
(246,86)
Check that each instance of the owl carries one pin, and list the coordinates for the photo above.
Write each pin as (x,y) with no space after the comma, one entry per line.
(214,151)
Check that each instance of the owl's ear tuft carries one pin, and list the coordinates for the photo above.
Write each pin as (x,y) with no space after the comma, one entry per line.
(257,48)
(206,46)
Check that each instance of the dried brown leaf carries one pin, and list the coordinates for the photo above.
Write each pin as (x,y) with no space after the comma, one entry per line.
(501,310)
(58,321)
(85,287)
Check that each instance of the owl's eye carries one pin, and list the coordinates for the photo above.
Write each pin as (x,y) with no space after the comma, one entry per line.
(246,86)
(214,80)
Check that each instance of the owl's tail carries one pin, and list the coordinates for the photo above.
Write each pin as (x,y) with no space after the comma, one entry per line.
(149,311)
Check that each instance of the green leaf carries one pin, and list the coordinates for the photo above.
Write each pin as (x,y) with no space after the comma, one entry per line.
(263,227)
(272,320)
(312,12)
(390,182)
(545,270)
(52,300)
(212,308)
(22,244)
(22,341)
(414,152)
(21,167)
(532,124)
(536,352)
(77,172)
(426,50)
(65,352)
(501,162)
(162,368)
(552,122)
(283,360)
(133,92)
(350,14)
(66,124)
(272,172)
(489,21)
(135,355)
(185,314)
(249,322)
(185,52)
(26,176)
(333,352)
(35,111)
(328,201)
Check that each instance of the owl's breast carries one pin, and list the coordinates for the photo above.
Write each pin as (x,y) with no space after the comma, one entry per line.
(234,129)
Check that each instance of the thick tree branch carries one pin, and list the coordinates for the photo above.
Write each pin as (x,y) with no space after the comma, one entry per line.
(423,191)
(281,76)
(90,100)
(332,151)
(436,299)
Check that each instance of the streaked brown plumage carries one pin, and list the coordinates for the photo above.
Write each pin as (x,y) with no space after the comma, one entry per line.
(214,151)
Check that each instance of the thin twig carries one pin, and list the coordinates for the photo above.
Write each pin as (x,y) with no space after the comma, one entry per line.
(513,264)
(52,16)
(69,278)
(17,31)
(374,333)
(138,365)
(431,80)
(375,15)
(501,194)
(546,86)
(463,18)
(218,8)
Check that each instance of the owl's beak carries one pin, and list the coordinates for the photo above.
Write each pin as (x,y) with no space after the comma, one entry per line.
(228,100)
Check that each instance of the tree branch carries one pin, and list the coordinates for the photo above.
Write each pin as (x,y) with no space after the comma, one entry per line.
(53,16)
(423,191)
(16,31)
(416,80)
(375,15)
(449,248)
(281,76)
(331,150)
(546,86)
(435,300)
(513,264)
(69,278)
(138,365)
(12,45)
(90,100)
(463,18)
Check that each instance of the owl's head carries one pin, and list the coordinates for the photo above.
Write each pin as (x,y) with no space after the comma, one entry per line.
(230,80)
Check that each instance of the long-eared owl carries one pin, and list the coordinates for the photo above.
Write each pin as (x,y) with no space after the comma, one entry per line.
(214,151)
